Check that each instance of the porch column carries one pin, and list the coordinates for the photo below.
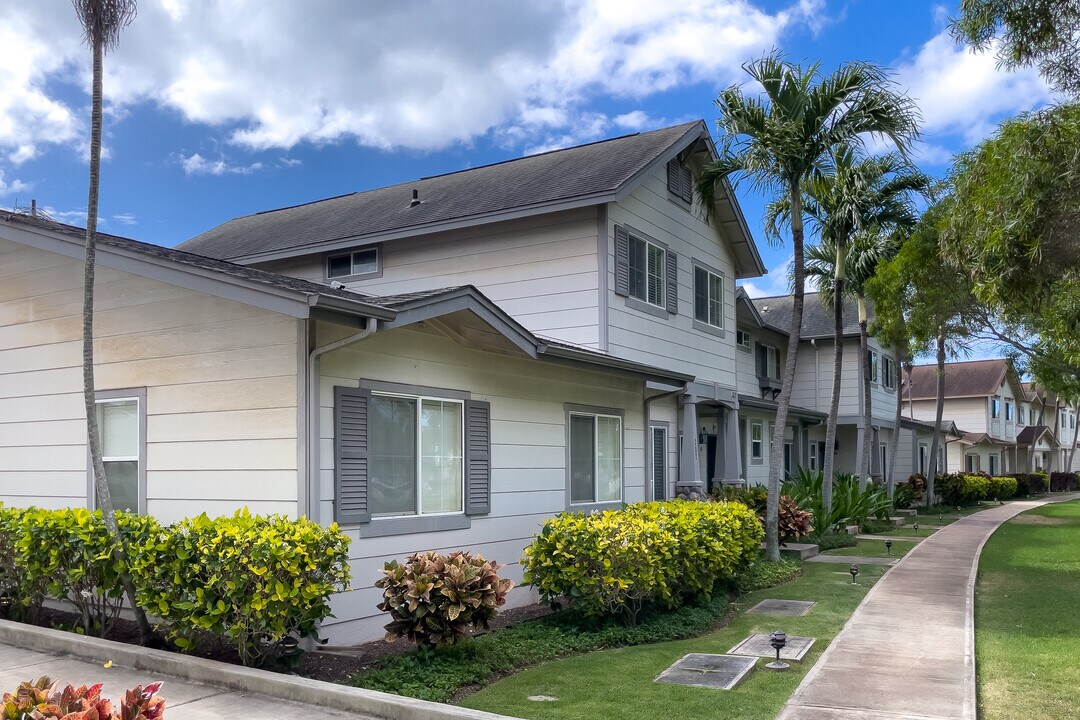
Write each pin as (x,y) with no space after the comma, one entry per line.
(859,463)
(731,472)
(796,449)
(689,484)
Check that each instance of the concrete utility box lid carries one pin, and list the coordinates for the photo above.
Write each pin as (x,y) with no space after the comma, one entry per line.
(758,646)
(782,607)
(720,672)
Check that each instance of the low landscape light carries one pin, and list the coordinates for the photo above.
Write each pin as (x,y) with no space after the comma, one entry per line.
(916,525)
(888,546)
(778,639)
(854,570)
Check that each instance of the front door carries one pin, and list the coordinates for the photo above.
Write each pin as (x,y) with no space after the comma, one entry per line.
(710,460)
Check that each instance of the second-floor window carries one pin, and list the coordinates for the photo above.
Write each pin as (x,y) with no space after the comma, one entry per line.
(768,362)
(708,297)
(1022,416)
(742,339)
(995,407)
(1008,411)
(647,267)
(360,262)
(888,373)
(1063,420)
(872,357)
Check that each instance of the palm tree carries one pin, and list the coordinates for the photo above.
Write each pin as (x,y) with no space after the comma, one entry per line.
(102,22)
(862,192)
(781,140)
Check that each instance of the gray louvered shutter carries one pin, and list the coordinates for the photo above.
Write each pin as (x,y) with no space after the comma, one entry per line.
(622,261)
(686,183)
(673,177)
(478,457)
(672,283)
(351,455)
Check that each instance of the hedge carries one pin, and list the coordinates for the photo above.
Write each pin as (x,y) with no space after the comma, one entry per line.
(1063,481)
(617,561)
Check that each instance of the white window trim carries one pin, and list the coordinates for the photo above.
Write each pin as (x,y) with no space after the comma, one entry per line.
(760,457)
(888,372)
(376,273)
(595,413)
(419,512)
(812,458)
(771,353)
(749,340)
(874,366)
(662,304)
(707,325)
(108,396)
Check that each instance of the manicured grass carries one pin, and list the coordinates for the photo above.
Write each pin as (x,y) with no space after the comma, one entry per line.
(873,548)
(1027,630)
(619,683)
(909,531)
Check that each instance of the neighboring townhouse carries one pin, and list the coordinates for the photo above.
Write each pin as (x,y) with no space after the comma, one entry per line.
(1005,425)
(763,327)
(440,364)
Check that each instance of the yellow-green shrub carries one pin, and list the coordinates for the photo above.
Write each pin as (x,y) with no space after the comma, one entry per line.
(616,561)
(255,580)
(22,593)
(1002,487)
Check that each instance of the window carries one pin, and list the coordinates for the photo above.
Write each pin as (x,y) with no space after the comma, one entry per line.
(417,460)
(595,458)
(646,271)
(972,463)
(1022,416)
(872,358)
(993,458)
(360,262)
(680,180)
(1008,411)
(813,456)
(410,459)
(659,463)
(1063,420)
(742,339)
(708,297)
(995,407)
(768,362)
(757,445)
(888,373)
(924,452)
(1072,421)
(121,417)
(883,455)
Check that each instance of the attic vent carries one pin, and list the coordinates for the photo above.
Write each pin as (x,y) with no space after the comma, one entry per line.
(415,198)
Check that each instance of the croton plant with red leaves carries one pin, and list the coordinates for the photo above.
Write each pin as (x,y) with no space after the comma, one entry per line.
(41,700)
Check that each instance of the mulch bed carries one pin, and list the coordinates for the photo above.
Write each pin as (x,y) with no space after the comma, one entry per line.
(332,666)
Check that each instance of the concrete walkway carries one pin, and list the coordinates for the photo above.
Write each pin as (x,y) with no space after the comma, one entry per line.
(909,649)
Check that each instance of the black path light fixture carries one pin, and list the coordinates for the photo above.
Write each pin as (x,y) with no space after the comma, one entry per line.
(854,570)
(778,639)
(888,546)
(916,528)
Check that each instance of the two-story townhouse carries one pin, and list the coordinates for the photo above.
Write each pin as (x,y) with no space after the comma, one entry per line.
(1052,432)
(439,364)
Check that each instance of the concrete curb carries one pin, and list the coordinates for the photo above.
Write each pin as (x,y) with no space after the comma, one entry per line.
(370,703)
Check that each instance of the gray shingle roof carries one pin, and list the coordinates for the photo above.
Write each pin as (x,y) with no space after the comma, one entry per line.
(817,321)
(974,378)
(537,181)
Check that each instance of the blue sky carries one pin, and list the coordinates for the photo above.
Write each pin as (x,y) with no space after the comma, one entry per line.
(219,109)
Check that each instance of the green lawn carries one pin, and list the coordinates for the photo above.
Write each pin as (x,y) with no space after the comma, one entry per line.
(619,683)
(909,531)
(1027,630)
(873,548)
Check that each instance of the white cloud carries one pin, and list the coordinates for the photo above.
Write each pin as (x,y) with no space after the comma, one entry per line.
(963,94)
(423,75)
(12,187)
(196,164)
(776,282)
(125,219)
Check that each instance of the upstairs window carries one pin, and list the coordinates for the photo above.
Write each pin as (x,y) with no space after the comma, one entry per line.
(768,362)
(995,407)
(742,339)
(1023,416)
(872,356)
(708,297)
(646,271)
(1008,411)
(680,180)
(359,262)
(888,373)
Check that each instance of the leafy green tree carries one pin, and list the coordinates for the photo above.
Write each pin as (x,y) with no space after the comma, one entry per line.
(1024,33)
(102,22)
(778,139)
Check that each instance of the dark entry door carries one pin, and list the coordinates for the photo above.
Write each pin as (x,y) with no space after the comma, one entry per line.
(710,460)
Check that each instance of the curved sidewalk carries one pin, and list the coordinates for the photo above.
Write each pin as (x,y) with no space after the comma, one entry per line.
(909,649)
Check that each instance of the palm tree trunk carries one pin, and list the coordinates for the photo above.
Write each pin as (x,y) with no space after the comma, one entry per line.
(101,486)
(894,440)
(932,470)
(783,401)
(828,458)
(864,350)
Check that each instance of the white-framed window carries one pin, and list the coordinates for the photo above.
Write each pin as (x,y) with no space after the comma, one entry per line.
(757,442)
(659,462)
(1008,411)
(993,463)
(1064,420)
(357,262)
(872,356)
(416,455)
(1072,421)
(708,297)
(648,265)
(121,418)
(1021,415)
(972,462)
(883,455)
(888,372)
(595,458)
(742,339)
(768,362)
(995,407)
(813,456)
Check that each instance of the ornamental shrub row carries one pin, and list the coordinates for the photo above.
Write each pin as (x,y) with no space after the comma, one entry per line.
(1064,481)
(257,581)
(617,561)
(958,489)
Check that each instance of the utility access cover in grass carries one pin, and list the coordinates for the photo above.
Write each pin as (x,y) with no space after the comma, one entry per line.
(758,646)
(721,672)
(782,607)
